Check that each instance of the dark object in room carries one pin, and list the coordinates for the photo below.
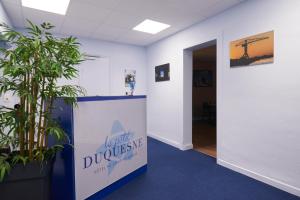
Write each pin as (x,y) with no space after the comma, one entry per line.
(202,78)
(4,150)
(28,182)
(162,72)
(209,113)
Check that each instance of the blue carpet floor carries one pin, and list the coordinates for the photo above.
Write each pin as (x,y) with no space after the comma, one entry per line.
(189,175)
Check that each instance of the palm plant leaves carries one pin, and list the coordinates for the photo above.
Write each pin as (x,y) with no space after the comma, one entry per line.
(31,68)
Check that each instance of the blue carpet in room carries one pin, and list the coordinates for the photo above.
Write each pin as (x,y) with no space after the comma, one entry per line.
(189,175)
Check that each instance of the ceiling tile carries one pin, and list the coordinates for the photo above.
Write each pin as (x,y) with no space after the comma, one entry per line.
(17,2)
(141,8)
(104,37)
(78,27)
(219,7)
(163,34)
(39,17)
(190,6)
(108,31)
(134,37)
(133,41)
(103,4)
(113,20)
(136,34)
(123,20)
(86,11)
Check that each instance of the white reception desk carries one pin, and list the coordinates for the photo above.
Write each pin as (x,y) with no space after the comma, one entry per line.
(110,146)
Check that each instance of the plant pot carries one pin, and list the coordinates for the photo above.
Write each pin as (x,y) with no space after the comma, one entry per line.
(31,182)
(4,150)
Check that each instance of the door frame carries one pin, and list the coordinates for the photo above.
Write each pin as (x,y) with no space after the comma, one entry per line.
(188,91)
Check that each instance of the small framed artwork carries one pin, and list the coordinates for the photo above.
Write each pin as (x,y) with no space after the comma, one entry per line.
(202,78)
(162,72)
(130,81)
(253,50)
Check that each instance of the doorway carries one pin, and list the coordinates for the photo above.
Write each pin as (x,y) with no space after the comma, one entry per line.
(204,94)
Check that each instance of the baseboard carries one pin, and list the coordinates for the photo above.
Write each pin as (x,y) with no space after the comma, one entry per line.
(182,147)
(164,140)
(185,147)
(270,181)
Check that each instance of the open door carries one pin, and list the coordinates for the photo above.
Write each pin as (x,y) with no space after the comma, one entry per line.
(204,100)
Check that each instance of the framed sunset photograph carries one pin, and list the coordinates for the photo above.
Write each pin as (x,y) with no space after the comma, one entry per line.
(253,50)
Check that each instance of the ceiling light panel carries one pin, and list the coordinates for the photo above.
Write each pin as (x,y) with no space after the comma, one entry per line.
(150,26)
(54,6)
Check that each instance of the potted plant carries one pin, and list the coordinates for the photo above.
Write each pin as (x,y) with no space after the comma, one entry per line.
(30,70)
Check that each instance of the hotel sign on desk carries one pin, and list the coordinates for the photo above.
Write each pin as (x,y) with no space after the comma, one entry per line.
(109,143)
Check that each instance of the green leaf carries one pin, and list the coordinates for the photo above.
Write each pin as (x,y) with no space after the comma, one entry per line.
(4,168)
(2,173)
(20,159)
(30,71)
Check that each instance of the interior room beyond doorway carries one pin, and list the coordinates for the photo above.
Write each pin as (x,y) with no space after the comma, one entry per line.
(204,100)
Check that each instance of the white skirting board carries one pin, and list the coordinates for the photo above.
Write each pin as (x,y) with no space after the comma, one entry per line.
(182,147)
(275,183)
(270,181)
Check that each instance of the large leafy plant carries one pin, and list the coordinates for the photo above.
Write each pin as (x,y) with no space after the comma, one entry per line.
(30,68)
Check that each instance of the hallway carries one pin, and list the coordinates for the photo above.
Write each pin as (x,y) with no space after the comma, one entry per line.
(188,175)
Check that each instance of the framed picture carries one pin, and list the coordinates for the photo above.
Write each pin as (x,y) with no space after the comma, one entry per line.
(202,78)
(162,72)
(130,81)
(253,50)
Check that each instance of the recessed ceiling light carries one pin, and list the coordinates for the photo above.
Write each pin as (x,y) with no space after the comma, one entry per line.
(53,6)
(150,26)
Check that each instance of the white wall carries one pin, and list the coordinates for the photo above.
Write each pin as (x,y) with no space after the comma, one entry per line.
(4,19)
(104,76)
(258,130)
(115,58)
(3,16)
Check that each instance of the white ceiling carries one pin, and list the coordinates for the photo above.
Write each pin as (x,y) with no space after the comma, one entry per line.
(113,20)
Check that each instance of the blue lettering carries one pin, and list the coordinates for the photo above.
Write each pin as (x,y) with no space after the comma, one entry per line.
(97,159)
(140,142)
(116,153)
(123,148)
(107,157)
(135,144)
(129,146)
(87,161)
